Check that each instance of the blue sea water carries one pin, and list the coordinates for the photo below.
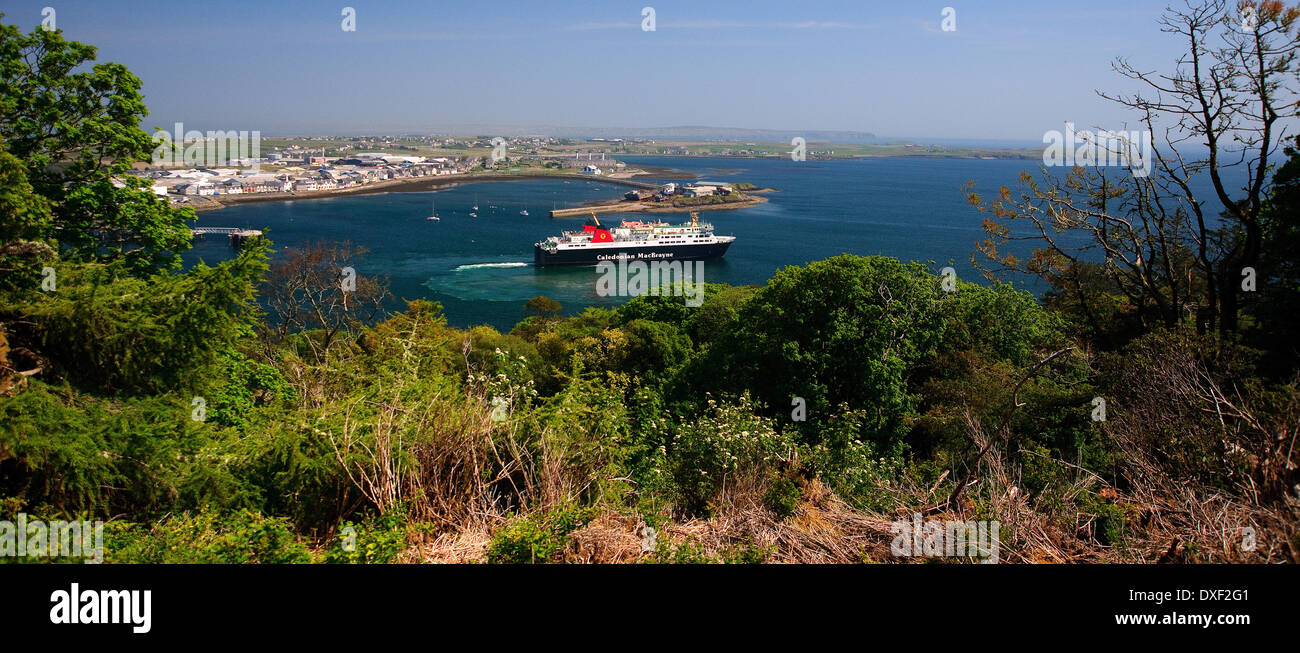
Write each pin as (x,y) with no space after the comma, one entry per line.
(481,269)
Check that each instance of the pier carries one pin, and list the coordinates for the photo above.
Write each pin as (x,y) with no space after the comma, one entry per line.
(588,210)
(235,235)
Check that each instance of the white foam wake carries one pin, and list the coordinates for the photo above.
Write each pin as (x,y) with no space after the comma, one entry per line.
(471,266)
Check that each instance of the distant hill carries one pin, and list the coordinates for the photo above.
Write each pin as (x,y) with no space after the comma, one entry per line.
(680,133)
(698,133)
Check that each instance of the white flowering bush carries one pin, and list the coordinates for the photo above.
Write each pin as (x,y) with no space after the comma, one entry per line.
(730,439)
(510,387)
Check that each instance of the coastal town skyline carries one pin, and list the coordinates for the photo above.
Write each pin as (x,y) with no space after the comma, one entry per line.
(897,72)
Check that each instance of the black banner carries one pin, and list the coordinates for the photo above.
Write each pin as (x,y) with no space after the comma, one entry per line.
(330,604)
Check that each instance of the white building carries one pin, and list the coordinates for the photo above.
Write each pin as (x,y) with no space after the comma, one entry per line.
(202,187)
(700,190)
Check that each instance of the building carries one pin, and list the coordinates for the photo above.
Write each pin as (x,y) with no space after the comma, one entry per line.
(312,183)
(202,187)
(701,190)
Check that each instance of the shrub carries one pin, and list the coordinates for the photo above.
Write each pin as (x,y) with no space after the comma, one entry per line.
(378,540)
(690,552)
(206,537)
(782,497)
(730,440)
(849,464)
(536,539)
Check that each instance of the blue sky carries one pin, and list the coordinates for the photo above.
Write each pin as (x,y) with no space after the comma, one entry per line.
(1010,71)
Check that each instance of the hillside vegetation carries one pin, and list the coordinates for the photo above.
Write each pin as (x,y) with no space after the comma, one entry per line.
(253,411)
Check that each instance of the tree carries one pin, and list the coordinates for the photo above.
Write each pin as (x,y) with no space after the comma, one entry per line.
(1173,255)
(108,330)
(76,130)
(838,332)
(320,288)
(24,227)
(543,306)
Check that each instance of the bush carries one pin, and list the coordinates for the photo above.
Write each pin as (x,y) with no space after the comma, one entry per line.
(205,538)
(1110,521)
(843,331)
(691,553)
(782,497)
(375,541)
(728,441)
(68,453)
(849,464)
(536,539)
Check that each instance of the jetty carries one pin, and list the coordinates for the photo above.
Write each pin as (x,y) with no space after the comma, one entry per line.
(588,210)
(235,235)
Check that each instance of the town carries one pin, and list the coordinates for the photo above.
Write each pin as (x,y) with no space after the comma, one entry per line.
(297,169)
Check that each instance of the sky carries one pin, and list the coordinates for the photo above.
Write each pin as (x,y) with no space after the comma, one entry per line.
(1010,71)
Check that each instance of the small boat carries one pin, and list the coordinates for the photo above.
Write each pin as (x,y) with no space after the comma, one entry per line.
(473,215)
(434,217)
(475,207)
(524,212)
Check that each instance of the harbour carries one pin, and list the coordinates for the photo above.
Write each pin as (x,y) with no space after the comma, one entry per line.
(482,269)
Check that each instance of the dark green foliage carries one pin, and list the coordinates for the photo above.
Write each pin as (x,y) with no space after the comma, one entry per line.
(74,125)
(109,331)
(25,225)
(782,496)
(205,537)
(1109,521)
(537,539)
(655,349)
(843,331)
(141,457)
(378,540)
(1276,302)
(241,386)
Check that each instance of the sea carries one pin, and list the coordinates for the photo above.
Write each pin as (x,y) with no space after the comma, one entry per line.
(481,268)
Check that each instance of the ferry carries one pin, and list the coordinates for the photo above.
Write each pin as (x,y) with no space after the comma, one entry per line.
(632,241)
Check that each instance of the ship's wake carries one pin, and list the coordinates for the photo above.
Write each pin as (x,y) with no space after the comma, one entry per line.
(474,266)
